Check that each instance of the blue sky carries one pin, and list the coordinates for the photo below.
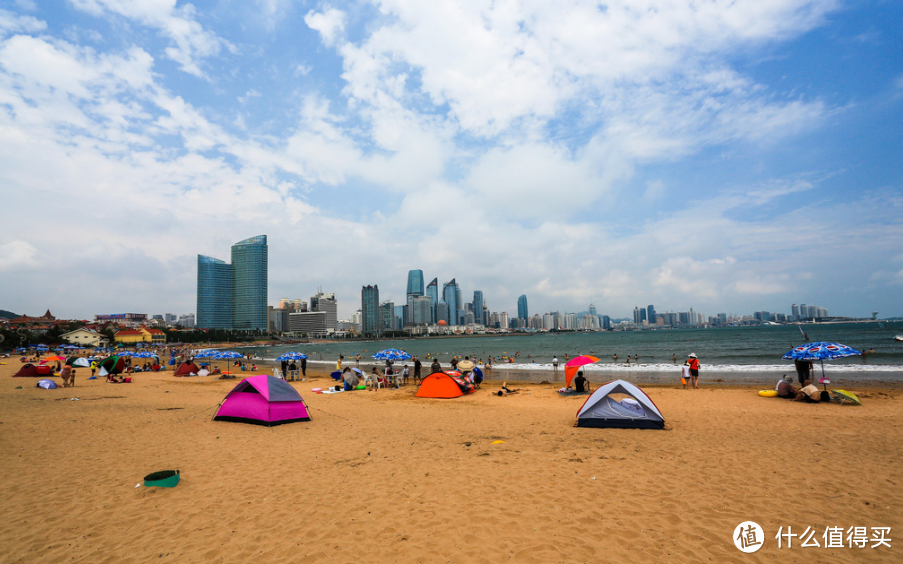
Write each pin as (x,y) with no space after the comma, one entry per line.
(728,156)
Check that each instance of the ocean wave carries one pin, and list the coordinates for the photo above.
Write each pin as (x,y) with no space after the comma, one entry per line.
(624,368)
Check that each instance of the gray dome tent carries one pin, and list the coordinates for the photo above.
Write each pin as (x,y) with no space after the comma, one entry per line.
(635,412)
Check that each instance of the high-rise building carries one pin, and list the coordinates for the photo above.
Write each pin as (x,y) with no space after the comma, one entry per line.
(370,310)
(503,320)
(650,314)
(415,283)
(420,310)
(451,295)
(386,316)
(442,313)
(214,299)
(249,284)
(795,312)
(313,323)
(592,309)
(522,311)
(326,303)
(432,292)
(478,307)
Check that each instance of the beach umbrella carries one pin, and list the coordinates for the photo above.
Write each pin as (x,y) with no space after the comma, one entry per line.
(391,354)
(844,396)
(573,365)
(291,355)
(53,358)
(820,351)
(466,365)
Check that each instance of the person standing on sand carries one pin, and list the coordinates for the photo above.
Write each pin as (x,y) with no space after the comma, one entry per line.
(435,366)
(417,367)
(303,367)
(555,365)
(803,369)
(694,370)
(338,363)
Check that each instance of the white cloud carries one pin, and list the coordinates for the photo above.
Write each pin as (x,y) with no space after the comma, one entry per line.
(191,43)
(17,254)
(14,23)
(330,23)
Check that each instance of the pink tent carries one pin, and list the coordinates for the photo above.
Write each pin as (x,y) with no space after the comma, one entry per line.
(263,400)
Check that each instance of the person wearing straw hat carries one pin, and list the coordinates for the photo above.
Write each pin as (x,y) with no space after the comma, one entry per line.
(694,370)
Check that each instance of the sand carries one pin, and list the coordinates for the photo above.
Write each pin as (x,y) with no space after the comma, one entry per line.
(388,477)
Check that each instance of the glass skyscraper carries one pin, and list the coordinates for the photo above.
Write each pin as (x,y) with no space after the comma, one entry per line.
(432,290)
(451,295)
(478,307)
(415,283)
(522,311)
(214,297)
(370,310)
(249,284)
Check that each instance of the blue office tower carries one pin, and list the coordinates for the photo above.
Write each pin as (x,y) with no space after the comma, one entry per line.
(522,311)
(249,284)
(451,295)
(432,290)
(214,299)
(415,283)
(370,310)
(478,307)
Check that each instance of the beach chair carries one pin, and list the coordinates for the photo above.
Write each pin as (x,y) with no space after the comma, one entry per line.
(371,380)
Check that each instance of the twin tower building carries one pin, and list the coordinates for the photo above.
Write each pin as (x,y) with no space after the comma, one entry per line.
(234,296)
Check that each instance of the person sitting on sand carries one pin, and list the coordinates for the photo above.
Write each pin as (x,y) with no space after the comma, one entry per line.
(808,393)
(505,390)
(581,384)
(373,382)
(350,379)
(785,388)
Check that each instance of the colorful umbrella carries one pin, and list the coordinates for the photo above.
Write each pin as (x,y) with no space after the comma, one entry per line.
(392,354)
(820,351)
(572,366)
(291,355)
(52,359)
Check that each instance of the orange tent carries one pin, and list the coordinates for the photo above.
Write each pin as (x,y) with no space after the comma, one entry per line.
(444,385)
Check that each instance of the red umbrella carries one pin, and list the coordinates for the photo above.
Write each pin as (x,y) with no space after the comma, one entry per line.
(571,366)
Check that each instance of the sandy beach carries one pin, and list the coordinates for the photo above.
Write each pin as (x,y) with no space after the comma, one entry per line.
(388,477)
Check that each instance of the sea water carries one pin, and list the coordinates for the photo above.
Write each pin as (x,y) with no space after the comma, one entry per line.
(726,354)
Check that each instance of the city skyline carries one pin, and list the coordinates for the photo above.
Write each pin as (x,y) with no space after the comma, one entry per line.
(738,158)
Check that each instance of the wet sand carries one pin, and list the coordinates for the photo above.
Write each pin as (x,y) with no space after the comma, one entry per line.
(388,477)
